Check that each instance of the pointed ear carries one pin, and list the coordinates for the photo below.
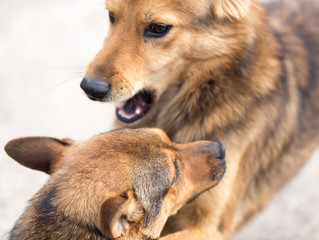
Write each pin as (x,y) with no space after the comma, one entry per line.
(39,153)
(119,214)
(231,9)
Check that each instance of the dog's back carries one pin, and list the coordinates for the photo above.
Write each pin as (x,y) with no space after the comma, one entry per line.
(296,25)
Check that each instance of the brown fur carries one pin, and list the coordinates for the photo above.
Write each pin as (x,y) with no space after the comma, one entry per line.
(115,185)
(230,70)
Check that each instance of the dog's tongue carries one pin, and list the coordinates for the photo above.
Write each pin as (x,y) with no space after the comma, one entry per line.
(135,108)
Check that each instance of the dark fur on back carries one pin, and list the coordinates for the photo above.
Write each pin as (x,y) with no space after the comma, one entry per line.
(47,222)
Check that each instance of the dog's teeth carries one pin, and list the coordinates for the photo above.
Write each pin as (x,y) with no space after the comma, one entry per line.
(124,115)
(138,111)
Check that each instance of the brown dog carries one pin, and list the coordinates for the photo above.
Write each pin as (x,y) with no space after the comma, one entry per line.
(217,69)
(122,184)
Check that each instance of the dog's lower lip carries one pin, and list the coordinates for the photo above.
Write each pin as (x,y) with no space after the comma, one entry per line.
(134,108)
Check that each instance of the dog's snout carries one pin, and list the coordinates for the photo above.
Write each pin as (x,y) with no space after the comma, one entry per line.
(95,89)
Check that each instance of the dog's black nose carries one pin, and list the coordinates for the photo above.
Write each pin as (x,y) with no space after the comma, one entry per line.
(216,149)
(219,150)
(95,89)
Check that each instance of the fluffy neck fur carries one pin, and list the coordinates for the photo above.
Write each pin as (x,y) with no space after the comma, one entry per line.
(217,95)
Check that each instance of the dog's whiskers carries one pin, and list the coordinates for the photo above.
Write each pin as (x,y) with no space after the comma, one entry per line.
(72,78)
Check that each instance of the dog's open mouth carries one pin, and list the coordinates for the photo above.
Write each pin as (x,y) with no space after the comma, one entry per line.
(134,108)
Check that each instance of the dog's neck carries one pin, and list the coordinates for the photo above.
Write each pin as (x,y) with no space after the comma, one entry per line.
(208,90)
(42,220)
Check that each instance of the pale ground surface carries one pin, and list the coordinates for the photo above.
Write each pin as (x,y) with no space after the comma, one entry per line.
(44,46)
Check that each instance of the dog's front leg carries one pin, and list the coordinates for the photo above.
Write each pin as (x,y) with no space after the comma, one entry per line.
(196,234)
(203,219)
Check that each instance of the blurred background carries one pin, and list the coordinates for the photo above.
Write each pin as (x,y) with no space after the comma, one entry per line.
(44,47)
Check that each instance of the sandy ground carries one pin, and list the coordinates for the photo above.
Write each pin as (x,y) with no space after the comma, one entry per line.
(44,46)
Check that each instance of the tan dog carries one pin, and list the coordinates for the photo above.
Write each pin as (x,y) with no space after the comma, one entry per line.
(217,69)
(122,184)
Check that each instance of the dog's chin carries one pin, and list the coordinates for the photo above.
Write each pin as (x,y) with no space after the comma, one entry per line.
(134,108)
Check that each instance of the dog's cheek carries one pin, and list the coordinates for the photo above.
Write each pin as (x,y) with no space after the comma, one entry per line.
(218,43)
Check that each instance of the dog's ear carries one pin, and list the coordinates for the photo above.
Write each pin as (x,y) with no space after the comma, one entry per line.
(39,153)
(231,9)
(119,214)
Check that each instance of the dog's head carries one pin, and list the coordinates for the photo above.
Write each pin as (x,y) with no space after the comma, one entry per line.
(126,183)
(152,43)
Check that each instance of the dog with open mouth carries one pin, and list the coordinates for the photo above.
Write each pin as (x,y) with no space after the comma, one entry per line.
(234,70)
(122,184)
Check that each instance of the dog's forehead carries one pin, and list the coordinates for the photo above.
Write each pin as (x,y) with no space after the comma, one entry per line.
(172,11)
(133,141)
(143,153)
(155,3)
(139,134)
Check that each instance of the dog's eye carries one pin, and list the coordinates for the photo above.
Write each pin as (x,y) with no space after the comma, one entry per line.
(176,172)
(157,30)
(112,19)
